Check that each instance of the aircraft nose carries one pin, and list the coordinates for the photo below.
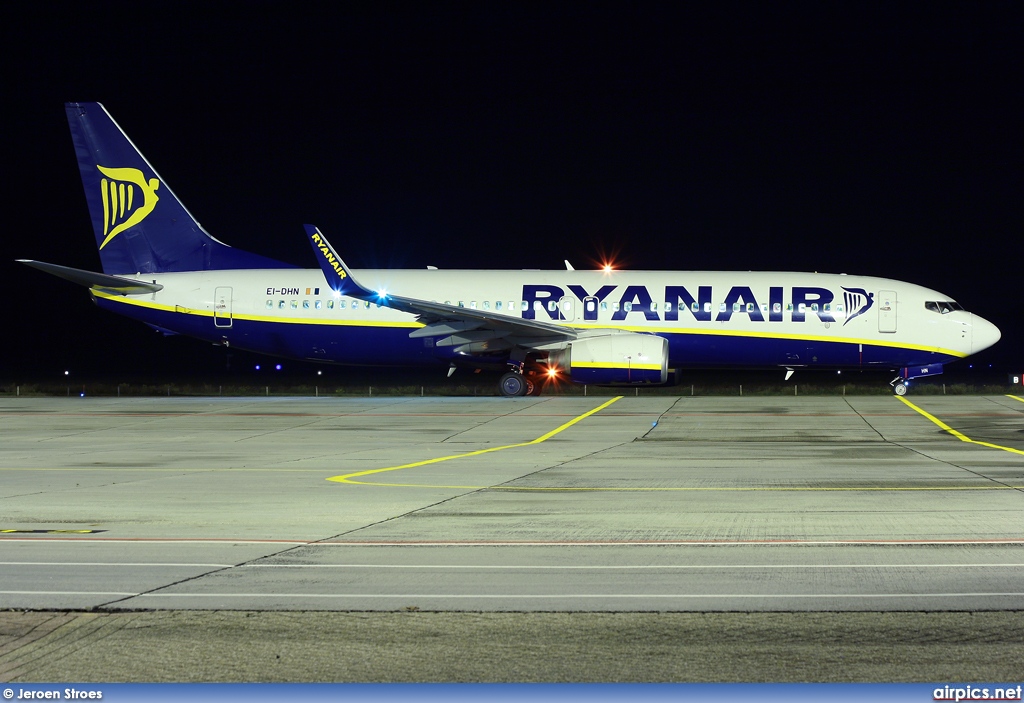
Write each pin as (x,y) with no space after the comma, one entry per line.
(984,334)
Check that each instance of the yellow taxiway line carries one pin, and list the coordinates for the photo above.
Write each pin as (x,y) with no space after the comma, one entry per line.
(959,435)
(348,478)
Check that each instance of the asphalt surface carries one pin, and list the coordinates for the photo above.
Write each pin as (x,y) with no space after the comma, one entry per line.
(482,539)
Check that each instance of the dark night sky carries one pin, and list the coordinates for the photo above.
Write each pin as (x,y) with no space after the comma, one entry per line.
(839,137)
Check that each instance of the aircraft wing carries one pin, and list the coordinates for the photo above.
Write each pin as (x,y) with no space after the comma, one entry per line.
(100,281)
(440,318)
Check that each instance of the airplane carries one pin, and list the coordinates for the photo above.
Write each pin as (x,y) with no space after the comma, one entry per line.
(612,327)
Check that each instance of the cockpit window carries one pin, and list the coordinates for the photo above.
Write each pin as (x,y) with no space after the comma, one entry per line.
(942,306)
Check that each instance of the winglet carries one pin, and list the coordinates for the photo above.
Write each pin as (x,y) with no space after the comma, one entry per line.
(338,275)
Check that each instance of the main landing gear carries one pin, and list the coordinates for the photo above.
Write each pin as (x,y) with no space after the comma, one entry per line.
(515,384)
(512,384)
(519,381)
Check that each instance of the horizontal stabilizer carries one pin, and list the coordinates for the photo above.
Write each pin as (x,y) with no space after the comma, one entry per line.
(109,284)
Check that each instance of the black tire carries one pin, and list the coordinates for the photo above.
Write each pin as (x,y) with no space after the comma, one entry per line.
(512,385)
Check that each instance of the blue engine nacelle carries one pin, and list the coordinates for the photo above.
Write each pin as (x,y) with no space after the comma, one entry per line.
(616,359)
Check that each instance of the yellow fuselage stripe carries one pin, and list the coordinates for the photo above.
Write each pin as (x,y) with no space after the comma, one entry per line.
(356,322)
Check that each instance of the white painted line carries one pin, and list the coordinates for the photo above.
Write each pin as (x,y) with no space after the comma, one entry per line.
(98,563)
(625,543)
(523,596)
(464,596)
(524,567)
(66,593)
(612,567)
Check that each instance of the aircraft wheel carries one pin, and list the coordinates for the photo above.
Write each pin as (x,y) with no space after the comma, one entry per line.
(532,387)
(900,388)
(512,384)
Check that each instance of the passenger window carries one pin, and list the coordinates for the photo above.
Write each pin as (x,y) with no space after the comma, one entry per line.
(318,304)
(552,306)
(590,306)
(764,307)
(604,306)
(707,307)
(628,305)
(695,306)
(270,304)
(668,306)
(305,305)
(814,307)
(341,304)
(524,305)
(615,307)
(295,305)
(280,304)
(497,305)
(721,307)
(777,307)
(472,305)
(567,305)
(827,307)
(487,305)
(750,307)
(802,308)
(330,304)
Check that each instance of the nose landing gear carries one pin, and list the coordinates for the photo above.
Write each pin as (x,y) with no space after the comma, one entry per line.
(899,385)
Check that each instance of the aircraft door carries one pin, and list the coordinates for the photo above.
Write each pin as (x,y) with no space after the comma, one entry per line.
(567,308)
(222,306)
(590,308)
(887,311)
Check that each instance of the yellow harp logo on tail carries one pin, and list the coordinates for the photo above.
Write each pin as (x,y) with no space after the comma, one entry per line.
(127,199)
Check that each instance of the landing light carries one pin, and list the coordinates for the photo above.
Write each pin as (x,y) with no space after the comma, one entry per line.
(552,372)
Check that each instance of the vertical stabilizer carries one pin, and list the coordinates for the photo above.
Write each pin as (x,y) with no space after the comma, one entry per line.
(139,223)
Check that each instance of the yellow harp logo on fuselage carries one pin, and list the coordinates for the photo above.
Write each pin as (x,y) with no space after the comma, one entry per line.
(123,208)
